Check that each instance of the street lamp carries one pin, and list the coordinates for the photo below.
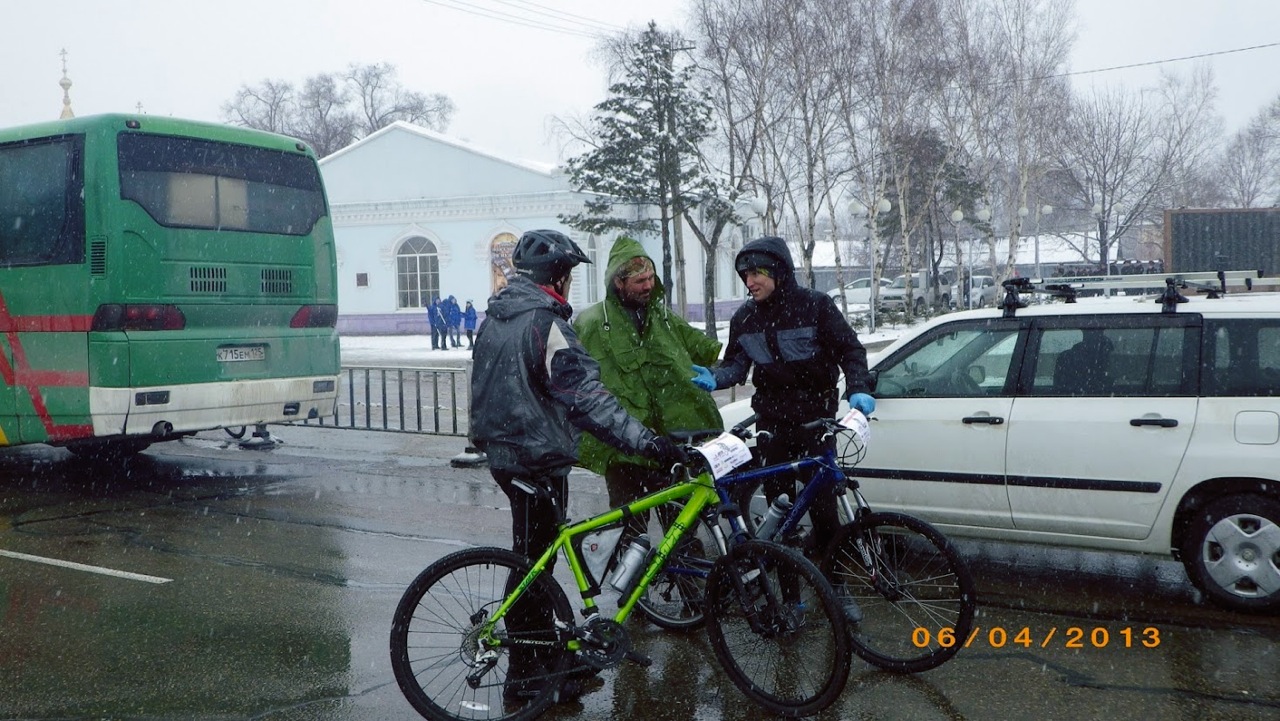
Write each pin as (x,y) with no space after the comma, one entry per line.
(760,207)
(857,209)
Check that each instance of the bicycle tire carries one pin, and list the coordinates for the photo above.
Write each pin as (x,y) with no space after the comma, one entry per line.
(777,628)
(676,598)
(918,599)
(433,637)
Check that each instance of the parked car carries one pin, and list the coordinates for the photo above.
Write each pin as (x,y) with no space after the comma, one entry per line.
(858,292)
(1114,425)
(922,293)
(983,292)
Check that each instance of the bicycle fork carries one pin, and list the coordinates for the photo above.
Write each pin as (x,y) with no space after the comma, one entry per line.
(871,551)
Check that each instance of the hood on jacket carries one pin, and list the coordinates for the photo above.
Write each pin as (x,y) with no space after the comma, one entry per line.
(521,296)
(769,252)
(623,251)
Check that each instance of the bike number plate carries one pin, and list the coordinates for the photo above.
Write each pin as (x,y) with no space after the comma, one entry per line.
(725,453)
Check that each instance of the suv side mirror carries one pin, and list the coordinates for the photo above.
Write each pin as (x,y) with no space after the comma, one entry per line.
(873,378)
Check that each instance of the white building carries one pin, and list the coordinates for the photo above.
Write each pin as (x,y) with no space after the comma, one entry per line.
(418,214)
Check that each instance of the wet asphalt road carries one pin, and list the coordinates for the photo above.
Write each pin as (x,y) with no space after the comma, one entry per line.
(264,581)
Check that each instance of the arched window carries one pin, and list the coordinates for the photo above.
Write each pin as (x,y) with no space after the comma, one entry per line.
(417,273)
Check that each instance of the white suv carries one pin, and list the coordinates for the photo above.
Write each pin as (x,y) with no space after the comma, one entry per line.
(1123,425)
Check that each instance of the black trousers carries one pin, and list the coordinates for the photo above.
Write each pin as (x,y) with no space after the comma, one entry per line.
(534,518)
(627,482)
(790,443)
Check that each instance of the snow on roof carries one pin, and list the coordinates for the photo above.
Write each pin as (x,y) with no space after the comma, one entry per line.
(535,166)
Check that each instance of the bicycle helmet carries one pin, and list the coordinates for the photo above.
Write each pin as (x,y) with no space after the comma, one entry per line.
(546,255)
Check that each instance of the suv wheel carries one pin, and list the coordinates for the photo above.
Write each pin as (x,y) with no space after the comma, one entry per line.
(1232,551)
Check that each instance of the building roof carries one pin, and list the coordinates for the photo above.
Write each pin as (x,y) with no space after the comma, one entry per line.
(405,162)
(548,169)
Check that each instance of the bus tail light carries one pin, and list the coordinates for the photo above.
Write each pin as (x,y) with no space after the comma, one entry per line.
(315,316)
(115,316)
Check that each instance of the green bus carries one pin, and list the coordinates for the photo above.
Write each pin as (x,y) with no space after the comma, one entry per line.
(160,277)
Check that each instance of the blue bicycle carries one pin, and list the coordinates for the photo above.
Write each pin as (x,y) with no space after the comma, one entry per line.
(915,593)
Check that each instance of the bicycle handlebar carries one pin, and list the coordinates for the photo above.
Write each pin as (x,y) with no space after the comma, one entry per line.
(740,430)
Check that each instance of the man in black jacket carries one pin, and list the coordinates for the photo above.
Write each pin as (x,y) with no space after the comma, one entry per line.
(533,388)
(798,342)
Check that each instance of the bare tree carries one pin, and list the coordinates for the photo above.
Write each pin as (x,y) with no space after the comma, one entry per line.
(1033,40)
(1247,168)
(333,110)
(383,100)
(265,106)
(1190,128)
(734,68)
(323,118)
(1113,162)
(886,80)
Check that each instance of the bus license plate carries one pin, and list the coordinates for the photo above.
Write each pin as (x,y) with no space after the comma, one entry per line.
(242,353)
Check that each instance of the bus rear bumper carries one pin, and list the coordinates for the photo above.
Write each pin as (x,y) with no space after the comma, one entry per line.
(204,406)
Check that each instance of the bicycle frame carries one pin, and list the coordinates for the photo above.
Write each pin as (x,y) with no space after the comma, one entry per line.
(701,493)
(826,475)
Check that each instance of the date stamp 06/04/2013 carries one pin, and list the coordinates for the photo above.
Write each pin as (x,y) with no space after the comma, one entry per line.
(1069,637)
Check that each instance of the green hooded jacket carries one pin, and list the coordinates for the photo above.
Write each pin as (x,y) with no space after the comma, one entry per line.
(648,370)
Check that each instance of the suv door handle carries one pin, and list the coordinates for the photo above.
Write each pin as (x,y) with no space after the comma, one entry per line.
(1162,422)
(989,420)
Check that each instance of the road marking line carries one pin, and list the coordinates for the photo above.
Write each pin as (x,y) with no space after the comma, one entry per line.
(83,567)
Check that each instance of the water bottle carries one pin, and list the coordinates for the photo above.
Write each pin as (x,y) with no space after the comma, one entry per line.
(631,563)
(777,511)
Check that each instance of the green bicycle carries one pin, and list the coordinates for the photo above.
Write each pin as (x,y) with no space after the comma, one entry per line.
(773,620)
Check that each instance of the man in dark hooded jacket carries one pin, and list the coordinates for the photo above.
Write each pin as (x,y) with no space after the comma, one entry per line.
(798,343)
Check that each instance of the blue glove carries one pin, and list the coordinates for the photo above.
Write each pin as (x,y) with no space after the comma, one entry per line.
(864,403)
(703,378)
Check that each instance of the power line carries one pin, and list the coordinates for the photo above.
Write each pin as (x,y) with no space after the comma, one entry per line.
(495,14)
(1161,62)
(538,9)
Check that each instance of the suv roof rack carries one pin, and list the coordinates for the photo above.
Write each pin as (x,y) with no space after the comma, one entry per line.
(1069,288)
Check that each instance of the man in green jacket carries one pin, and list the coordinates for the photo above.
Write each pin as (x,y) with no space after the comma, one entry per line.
(644,351)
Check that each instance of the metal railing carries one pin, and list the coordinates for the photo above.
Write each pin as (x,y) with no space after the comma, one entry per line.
(403,400)
(412,400)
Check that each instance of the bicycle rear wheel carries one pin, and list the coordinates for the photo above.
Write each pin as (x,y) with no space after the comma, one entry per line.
(916,594)
(675,599)
(777,628)
(435,639)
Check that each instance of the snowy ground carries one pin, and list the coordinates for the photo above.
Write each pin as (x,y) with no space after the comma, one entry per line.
(414,351)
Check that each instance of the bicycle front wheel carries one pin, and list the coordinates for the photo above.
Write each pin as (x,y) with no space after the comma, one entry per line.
(777,629)
(436,654)
(914,590)
(675,599)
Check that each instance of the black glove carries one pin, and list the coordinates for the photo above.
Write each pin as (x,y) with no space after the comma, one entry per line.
(667,452)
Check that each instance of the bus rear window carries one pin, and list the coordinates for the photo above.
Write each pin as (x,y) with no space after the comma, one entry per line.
(189,183)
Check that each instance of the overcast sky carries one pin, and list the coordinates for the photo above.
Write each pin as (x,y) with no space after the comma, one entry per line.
(183,58)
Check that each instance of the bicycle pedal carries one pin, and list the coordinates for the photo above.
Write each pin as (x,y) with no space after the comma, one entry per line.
(639,659)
